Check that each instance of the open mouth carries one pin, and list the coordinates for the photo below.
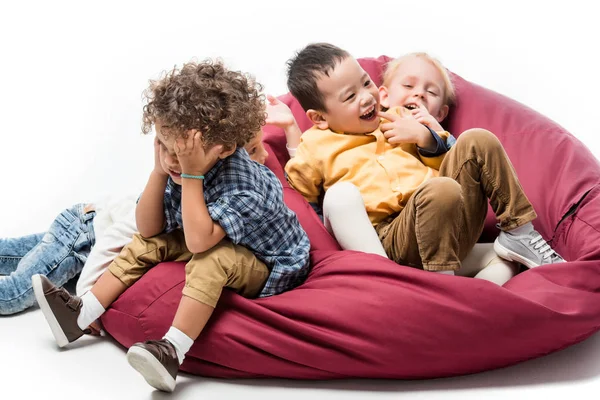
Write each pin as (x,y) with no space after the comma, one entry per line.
(174,174)
(370,114)
(411,106)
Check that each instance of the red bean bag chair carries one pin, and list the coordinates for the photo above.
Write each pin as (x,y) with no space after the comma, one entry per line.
(360,315)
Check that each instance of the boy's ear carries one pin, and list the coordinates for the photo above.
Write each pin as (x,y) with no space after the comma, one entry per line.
(443,113)
(384,96)
(317,118)
(227,152)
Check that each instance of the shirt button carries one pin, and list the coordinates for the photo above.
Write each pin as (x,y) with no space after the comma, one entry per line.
(381,158)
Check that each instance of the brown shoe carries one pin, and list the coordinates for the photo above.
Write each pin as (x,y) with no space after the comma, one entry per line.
(157,361)
(60,309)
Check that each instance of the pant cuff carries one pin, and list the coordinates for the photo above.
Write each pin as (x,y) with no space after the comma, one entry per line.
(513,223)
(453,266)
(119,273)
(202,297)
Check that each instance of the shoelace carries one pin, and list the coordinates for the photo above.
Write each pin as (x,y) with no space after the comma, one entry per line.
(542,246)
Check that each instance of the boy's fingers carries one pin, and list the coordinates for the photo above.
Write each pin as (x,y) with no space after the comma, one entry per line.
(386,126)
(272,99)
(397,140)
(181,144)
(389,134)
(215,151)
(388,116)
(423,110)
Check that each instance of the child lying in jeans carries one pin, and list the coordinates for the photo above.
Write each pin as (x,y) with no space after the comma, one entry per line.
(206,202)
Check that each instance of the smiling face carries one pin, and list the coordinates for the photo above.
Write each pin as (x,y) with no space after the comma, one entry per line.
(351,100)
(416,81)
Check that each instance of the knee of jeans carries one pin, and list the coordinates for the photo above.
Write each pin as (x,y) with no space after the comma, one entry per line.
(445,194)
(478,137)
(75,211)
(342,195)
(14,297)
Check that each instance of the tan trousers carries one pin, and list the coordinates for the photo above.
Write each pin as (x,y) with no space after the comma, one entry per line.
(444,218)
(206,274)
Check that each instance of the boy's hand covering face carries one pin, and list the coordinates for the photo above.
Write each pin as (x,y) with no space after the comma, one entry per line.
(158,156)
(193,158)
(404,130)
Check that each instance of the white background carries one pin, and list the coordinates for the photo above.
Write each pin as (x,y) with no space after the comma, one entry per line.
(72,74)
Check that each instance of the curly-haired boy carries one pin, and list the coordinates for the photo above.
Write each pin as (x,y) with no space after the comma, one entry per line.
(206,202)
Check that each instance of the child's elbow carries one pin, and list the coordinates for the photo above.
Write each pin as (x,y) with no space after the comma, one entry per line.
(195,246)
(148,232)
(148,228)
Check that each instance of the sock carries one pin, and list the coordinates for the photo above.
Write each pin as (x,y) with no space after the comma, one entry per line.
(180,341)
(90,311)
(521,230)
(449,272)
(498,271)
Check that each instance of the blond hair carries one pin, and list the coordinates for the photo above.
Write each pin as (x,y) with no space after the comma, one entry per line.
(391,68)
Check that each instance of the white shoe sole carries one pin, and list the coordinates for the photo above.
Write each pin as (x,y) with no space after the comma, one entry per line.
(151,369)
(509,255)
(57,331)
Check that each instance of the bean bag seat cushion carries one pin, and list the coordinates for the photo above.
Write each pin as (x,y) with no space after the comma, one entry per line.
(362,316)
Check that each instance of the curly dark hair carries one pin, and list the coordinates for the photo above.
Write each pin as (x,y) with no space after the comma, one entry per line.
(226,106)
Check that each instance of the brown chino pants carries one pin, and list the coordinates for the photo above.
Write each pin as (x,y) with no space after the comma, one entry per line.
(444,218)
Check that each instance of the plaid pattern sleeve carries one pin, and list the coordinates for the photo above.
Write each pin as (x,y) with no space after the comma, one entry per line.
(246,200)
(172,204)
(232,210)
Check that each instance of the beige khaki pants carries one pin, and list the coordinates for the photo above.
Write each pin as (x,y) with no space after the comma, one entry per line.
(206,274)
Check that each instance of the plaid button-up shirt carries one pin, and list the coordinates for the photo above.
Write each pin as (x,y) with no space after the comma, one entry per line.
(246,200)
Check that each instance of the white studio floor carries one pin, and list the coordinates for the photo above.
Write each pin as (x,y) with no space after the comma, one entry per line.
(32,366)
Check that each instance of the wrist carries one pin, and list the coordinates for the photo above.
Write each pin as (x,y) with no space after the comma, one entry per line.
(436,126)
(196,177)
(193,172)
(159,174)
(292,135)
(195,184)
(197,170)
(289,125)
(425,139)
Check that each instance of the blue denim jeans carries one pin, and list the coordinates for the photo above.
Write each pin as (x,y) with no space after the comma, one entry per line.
(58,254)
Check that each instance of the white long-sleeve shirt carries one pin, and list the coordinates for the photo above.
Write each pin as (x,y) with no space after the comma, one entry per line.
(114,227)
